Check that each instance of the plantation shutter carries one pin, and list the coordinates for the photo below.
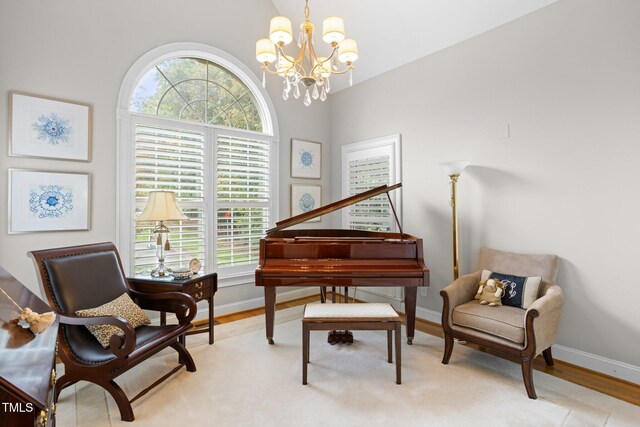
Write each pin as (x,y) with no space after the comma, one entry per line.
(243,193)
(170,159)
(364,174)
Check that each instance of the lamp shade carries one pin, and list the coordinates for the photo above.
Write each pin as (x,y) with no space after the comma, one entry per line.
(455,167)
(161,206)
(280,30)
(320,68)
(285,66)
(333,29)
(265,51)
(348,51)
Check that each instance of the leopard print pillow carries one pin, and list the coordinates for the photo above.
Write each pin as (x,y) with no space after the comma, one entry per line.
(122,306)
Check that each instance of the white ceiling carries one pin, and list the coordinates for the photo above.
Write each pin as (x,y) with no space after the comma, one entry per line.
(391,33)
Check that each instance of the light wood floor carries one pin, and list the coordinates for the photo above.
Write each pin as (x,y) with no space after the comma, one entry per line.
(614,387)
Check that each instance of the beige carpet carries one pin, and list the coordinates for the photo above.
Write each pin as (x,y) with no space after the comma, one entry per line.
(243,381)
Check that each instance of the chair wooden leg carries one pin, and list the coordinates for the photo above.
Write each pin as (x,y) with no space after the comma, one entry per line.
(126,412)
(398,355)
(448,348)
(184,356)
(527,375)
(63,382)
(323,294)
(548,358)
(389,346)
(305,353)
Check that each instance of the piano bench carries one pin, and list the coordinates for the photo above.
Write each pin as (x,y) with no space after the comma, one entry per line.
(365,316)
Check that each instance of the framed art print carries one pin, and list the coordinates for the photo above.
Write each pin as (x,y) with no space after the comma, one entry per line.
(48,201)
(306,159)
(49,127)
(305,198)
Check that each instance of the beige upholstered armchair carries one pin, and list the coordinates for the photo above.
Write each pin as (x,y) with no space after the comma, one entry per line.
(524,333)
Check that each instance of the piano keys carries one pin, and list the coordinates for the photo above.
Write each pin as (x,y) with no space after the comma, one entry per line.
(322,257)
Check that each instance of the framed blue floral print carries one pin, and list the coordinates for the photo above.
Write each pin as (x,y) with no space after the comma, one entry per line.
(306,159)
(48,201)
(49,127)
(305,198)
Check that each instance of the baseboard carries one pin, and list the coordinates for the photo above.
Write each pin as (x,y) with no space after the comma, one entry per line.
(593,362)
(429,315)
(235,307)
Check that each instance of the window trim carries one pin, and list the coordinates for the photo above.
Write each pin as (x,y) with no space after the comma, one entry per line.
(125,138)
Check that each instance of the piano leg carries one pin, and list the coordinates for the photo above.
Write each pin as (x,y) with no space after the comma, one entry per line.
(269,309)
(410,295)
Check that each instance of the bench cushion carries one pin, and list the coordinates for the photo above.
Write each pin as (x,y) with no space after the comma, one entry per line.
(350,311)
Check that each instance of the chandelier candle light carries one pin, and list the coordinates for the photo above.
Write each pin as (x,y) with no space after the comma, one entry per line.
(454,169)
(307,68)
(161,206)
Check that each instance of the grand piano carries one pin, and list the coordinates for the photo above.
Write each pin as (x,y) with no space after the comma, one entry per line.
(341,258)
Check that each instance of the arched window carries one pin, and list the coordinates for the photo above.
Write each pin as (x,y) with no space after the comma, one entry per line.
(199,126)
(197,90)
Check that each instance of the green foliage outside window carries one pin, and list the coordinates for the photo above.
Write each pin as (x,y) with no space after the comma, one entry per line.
(197,90)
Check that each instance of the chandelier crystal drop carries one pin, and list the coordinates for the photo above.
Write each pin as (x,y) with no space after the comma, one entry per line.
(306,68)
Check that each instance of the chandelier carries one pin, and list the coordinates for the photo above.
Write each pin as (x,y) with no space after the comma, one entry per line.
(306,68)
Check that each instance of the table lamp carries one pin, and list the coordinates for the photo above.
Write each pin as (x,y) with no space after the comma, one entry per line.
(454,169)
(161,206)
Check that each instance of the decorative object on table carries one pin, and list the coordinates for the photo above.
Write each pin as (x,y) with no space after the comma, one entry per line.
(182,273)
(306,66)
(306,159)
(454,169)
(195,265)
(161,206)
(28,361)
(48,201)
(519,291)
(490,292)
(37,322)
(305,198)
(49,127)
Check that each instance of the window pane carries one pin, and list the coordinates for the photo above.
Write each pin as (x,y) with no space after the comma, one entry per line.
(197,90)
(170,159)
(372,214)
(243,177)
(239,234)
(243,169)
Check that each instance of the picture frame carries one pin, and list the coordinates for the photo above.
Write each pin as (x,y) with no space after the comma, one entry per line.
(49,128)
(305,198)
(48,201)
(306,159)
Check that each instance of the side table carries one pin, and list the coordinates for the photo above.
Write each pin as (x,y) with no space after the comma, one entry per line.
(199,286)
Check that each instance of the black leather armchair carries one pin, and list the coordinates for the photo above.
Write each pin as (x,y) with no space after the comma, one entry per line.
(80,277)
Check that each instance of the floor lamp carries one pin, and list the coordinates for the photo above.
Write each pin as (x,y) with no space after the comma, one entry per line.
(454,169)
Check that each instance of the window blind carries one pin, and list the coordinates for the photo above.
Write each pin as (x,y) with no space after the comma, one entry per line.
(170,159)
(242,198)
(364,174)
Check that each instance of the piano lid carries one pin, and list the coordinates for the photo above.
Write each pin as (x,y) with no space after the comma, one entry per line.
(332,207)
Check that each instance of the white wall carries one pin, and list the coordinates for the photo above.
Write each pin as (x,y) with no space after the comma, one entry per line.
(567,80)
(81,50)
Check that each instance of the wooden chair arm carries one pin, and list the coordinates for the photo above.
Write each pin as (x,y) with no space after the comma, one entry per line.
(183,305)
(120,345)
